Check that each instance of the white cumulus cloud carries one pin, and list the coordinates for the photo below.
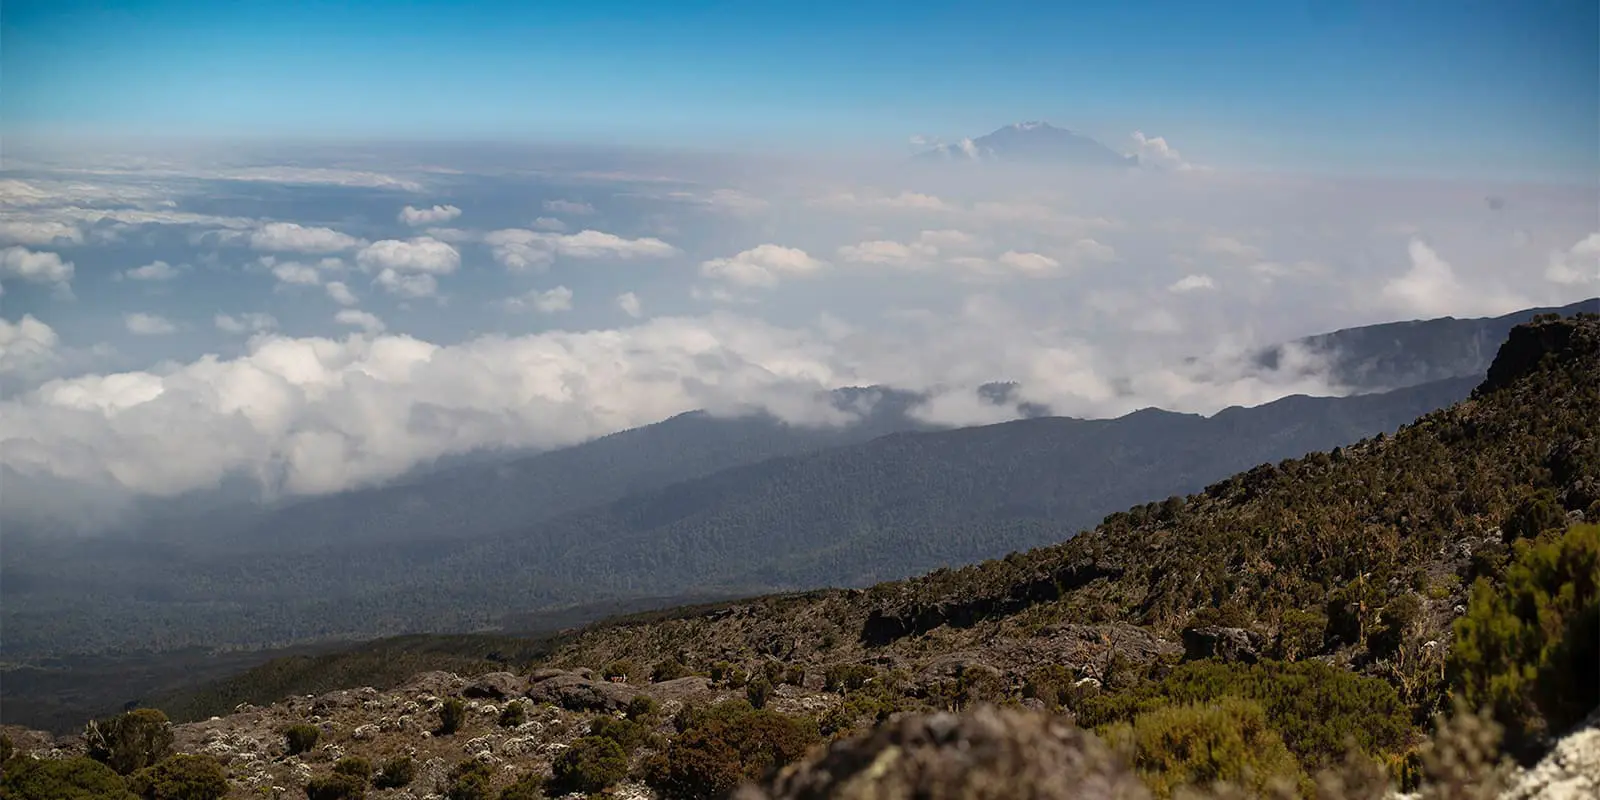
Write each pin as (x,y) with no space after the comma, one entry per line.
(547,302)
(422,254)
(39,233)
(294,238)
(153,271)
(20,263)
(630,304)
(341,293)
(1579,265)
(357,318)
(764,265)
(428,216)
(1192,283)
(141,324)
(248,322)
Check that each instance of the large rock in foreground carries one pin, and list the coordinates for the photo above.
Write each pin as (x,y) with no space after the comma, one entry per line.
(987,754)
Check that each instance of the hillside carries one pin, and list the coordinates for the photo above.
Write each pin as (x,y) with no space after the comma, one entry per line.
(1375,358)
(1293,604)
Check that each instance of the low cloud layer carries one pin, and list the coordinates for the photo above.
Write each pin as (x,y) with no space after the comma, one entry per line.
(154,342)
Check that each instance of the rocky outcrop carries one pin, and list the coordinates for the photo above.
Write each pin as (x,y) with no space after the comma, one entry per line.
(1570,771)
(495,686)
(986,754)
(886,624)
(575,692)
(1235,645)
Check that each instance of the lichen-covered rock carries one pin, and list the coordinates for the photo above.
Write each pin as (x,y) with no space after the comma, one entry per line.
(495,686)
(575,692)
(985,754)
(1570,771)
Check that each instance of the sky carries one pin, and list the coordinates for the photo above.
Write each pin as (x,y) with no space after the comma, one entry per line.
(314,246)
(1447,86)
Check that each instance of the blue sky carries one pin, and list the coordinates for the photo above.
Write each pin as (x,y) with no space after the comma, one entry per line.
(1439,85)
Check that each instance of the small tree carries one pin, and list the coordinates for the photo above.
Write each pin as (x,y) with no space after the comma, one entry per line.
(527,787)
(515,713)
(336,787)
(395,773)
(182,777)
(1531,649)
(642,707)
(592,763)
(130,742)
(452,712)
(669,670)
(469,780)
(758,691)
(301,738)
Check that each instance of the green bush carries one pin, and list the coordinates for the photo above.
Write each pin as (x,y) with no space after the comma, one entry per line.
(1200,744)
(1300,634)
(642,707)
(1315,707)
(527,787)
(77,778)
(301,738)
(843,678)
(130,742)
(758,691)
(182,777)
(724,745)
(622,668)
(452,712)
(7,748)
(1394,625)
(1530,649)
(469,780)
(1537,512)
(515,713)
(625,732)
(354,766)
(592,763)
(395,773)
(668,670)
(336,786)
(728,674)
(795,675)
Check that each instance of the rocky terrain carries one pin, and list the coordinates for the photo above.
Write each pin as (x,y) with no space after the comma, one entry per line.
(1322,627)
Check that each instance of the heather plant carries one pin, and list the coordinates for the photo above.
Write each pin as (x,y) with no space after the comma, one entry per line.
(1530,648)
(182,777)
(130,741)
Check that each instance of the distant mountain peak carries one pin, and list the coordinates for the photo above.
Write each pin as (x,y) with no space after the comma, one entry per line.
(1035,142)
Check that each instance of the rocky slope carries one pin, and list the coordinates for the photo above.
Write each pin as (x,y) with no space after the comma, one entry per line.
(1292,605)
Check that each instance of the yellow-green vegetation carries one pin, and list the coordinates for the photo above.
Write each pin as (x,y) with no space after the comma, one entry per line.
(182,777)
(77,778)
(469,779)
(719,747)
(130,741)
(300,738)
(1317,709)
(1530,647)
(452,712)
(1200,744)
(592,763)
(395,773)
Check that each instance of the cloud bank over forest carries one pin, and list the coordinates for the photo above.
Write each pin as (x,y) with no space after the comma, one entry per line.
(173,320)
